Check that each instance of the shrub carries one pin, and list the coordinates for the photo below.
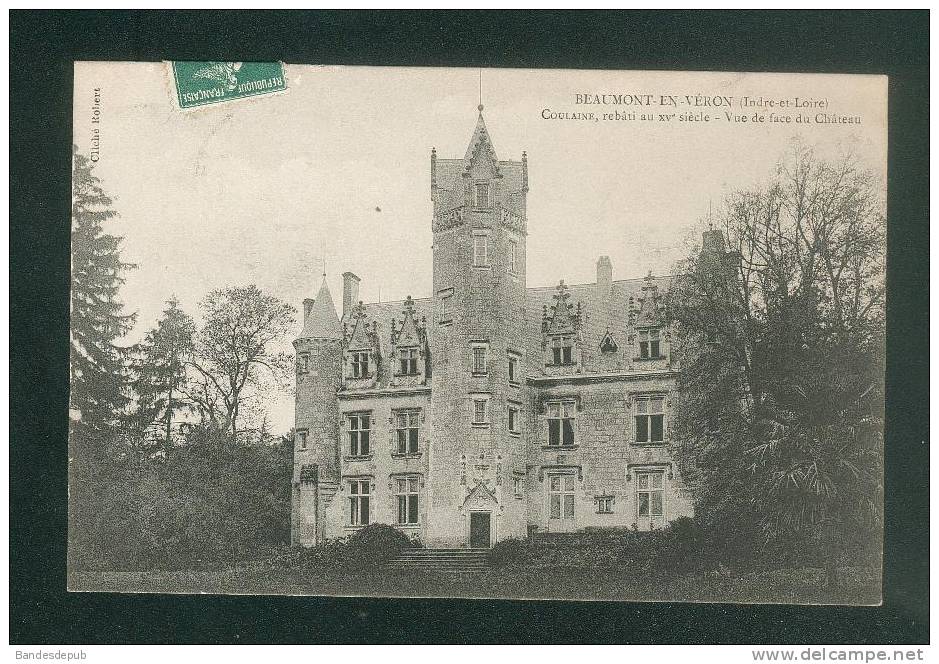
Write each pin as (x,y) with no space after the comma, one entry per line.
(684,549)
(510,551)
(374,545)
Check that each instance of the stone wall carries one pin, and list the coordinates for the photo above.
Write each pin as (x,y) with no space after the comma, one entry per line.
(605,456)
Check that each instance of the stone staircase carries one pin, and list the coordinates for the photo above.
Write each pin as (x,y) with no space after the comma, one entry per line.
(441,560)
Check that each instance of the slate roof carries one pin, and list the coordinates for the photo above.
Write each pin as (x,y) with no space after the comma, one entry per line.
(596,317)
(323,322)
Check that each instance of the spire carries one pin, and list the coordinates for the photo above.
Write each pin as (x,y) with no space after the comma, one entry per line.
(322,321)
(480,140)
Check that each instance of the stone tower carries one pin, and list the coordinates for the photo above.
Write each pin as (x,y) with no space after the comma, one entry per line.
(316,443)
(477,455)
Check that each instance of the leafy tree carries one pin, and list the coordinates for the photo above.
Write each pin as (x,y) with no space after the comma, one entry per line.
(98,368)
(782,361)
(236,352)
(160,373)
(212,501)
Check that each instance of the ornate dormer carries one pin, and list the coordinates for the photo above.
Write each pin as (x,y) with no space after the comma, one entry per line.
(647,319)
(361,351)
(561,333)
(409,349)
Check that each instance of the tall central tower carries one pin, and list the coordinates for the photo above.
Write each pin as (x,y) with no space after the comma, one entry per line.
(476,472)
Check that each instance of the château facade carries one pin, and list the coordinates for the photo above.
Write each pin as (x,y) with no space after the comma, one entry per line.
(490,409)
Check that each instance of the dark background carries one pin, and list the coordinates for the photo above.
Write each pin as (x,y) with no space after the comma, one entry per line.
(43,47)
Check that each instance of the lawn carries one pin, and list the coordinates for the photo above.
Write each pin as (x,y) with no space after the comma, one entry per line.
(790,586)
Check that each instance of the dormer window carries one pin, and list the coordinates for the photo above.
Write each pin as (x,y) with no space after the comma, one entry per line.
(562,350)
(408,357)
(482,195)
(649,348)
(360,364)
(608,344)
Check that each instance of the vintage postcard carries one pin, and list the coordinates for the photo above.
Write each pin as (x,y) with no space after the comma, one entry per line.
(503,333)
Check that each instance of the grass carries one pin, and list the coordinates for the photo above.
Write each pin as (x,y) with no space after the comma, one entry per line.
(789,586)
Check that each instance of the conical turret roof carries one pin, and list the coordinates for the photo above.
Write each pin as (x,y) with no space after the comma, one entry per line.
(322,322)
(480,139)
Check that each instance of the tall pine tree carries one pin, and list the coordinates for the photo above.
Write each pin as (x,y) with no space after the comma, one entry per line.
(160,374)
(99,374)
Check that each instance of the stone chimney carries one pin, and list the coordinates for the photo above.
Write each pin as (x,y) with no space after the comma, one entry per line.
(604,289)
(350,292)
(604,277)
(307,306)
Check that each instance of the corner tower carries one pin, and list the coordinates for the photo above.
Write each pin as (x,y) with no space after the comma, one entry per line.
(477,457)
(316,442)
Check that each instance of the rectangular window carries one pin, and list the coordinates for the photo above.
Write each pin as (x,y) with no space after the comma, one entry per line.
(562,348)
(517,486)
(650,419)
(561,496)
(359,429)
(513,369)
(479,359)
(605,505)
(408,426)
(358,502)
(446,313)
(480,251)
(649,344)
(513,256)
(303,362)
(561,424)
(407,490)
(408,357)
(301,439)
(649,495)
(479,411)
(513,419)
(360,364)
(482,194)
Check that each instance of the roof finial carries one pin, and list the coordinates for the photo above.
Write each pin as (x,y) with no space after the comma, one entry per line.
(480,107)
(710,221)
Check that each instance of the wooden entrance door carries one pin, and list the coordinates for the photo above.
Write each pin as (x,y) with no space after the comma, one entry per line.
(480,530)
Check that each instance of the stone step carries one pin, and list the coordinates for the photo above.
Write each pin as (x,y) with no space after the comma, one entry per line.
(431,559)
(400,565)
(437,554)
(441,560)
(482,559)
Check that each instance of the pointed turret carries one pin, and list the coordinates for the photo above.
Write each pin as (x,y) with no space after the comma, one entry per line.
(322,322)
(480,141)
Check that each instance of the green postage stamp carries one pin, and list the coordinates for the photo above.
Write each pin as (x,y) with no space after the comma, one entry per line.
(202,83)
